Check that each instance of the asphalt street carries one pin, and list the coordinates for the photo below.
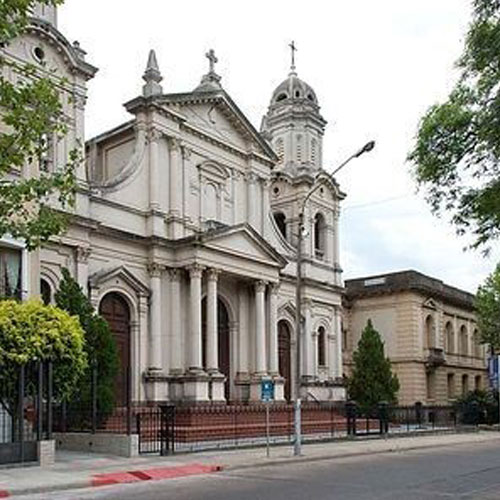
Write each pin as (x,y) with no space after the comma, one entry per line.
(462,472)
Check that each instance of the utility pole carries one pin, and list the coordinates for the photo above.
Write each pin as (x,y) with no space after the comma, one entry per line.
(299,323)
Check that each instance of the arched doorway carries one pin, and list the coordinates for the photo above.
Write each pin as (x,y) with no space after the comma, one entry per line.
(115,310)
(284,357)
(223,352)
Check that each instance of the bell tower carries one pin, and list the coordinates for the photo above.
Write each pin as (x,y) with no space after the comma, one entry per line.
(293,124)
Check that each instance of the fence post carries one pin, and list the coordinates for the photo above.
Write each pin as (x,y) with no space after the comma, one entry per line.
(474,412)
(383,416)
(350,407)
(129,401)
(39,402)
(418,413)
(20,409)
(93,389)
(49,399)
(63,415)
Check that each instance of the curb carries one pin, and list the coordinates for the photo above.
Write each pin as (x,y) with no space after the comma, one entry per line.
(119,477)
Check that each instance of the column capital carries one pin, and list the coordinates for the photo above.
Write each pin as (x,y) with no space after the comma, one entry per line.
(260,286)
(274,288)
(155,269)
(175,144)
(213,274)
(83,254)
(174,273)
(186,152)
(195,270)
(153,135)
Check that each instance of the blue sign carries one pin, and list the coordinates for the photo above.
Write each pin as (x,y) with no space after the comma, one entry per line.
(266,390)
(493,369)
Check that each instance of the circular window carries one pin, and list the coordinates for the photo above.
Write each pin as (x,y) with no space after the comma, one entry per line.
(39,54)
(297,93)
(276,190)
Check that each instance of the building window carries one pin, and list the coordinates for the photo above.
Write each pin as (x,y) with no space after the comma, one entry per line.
(280,219)
(313,151)
(451,385)
(463,341)
(10,273)
(299,149)
(319,236)
(450,347)
(45,292)
(476,344)
(429,331)
(321,346)
(465,384)
(478,383)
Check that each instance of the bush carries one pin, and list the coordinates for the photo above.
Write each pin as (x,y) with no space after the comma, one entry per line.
(487,407)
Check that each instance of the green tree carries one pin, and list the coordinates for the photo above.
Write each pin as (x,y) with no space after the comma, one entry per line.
(31,331)
(372,380)
(100,344)
(488,309)
(31,112)
(456,155)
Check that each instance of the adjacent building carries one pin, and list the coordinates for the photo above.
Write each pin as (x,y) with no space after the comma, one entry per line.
(429,331)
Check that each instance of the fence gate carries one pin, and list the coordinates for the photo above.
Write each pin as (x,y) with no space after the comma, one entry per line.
(156,429)
(23,420)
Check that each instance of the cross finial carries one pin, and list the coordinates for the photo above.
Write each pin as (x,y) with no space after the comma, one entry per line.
(211,57)
(293,49)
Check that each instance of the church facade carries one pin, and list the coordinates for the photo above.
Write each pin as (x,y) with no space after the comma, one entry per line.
(185,230)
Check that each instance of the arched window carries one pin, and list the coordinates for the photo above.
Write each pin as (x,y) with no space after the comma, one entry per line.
(45,292)
(281,97)
(450,344)
(429,331)
(463,341)
(321,346)
(280,219)
(319,236)
(465,384)
(478,383)
(280,150)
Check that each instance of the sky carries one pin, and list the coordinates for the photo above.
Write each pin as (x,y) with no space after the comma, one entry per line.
(375,66)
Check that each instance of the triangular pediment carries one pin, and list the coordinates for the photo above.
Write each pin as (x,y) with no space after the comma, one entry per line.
(216,114)
(243,242)
(121,273)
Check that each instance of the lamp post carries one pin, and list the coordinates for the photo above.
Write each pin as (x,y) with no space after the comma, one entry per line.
(298,296)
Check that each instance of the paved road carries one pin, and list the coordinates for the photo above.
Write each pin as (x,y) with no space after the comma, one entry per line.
(462,472)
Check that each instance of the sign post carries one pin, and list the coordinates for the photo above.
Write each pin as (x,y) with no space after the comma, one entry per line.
(267,395)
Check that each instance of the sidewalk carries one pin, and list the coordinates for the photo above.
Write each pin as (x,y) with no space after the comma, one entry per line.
(78,470)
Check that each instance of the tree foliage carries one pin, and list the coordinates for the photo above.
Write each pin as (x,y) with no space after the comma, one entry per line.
(31,117)
(488,309)
(100,345)
(31,331)
(456,155)
(372,380)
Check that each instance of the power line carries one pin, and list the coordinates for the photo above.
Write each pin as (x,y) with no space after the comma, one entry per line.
(377,202)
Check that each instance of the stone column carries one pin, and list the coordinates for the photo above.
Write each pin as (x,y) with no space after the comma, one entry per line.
(243,342)
(307,341)
(155,315)
(154,175)
(176,356)
(273,329)
(212,327)
(338,345)
(82,267)
(175,222)
(252,202)
(266,206)
(195,357)
(336,246)
(260,328)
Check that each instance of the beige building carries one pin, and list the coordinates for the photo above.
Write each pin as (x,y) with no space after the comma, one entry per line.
(429,331)
(185,229)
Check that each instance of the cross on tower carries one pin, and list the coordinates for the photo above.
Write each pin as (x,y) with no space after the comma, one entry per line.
(294,49)
(211,57)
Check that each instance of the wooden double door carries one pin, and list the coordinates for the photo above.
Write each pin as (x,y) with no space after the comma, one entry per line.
(115,310)
(285,357)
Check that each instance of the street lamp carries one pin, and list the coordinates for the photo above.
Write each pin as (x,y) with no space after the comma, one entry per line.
(298,294)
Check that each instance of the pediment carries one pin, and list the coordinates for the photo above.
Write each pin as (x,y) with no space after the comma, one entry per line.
(243,242)
(121,273)
(216,114)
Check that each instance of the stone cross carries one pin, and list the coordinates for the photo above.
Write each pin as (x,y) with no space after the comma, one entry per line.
(294,49)
(211,57)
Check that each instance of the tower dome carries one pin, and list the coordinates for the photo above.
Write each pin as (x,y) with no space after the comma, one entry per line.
(293,88)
